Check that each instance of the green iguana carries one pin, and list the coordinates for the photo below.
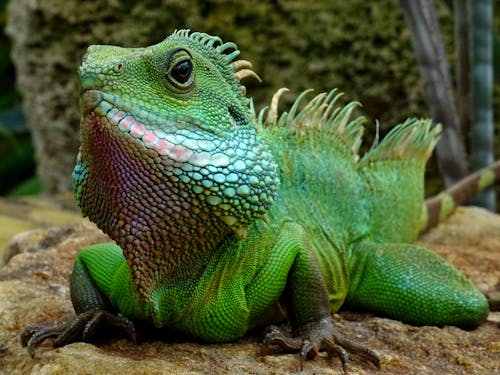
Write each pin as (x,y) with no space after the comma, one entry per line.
(177,168)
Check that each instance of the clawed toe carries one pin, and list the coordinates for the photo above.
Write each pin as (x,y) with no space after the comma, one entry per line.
(83,327)
(311,338)
(276,336)
(35,335)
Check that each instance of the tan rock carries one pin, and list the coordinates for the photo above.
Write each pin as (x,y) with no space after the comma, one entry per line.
(34,289)
(23,214)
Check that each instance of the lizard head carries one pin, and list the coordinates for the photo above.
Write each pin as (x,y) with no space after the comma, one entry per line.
(168,144)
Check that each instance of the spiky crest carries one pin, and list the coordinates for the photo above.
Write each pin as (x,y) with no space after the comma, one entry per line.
(415,138)
(320,114)
(222,54)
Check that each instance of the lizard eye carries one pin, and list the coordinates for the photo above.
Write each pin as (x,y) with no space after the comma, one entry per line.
(181,72)
(180,69)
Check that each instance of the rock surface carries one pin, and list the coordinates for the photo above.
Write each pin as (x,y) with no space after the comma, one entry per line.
(34,289)
(23,214)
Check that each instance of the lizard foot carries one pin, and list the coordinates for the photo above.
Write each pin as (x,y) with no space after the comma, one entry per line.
(311,338)
(83,327)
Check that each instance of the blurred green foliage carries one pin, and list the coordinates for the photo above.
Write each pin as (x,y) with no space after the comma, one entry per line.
(17,166)
(16,155)
(8,95)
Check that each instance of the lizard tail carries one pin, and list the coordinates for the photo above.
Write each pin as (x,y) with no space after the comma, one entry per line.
(442,205)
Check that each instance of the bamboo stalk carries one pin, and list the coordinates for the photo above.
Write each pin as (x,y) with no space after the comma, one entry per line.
(482,130)
(425,35)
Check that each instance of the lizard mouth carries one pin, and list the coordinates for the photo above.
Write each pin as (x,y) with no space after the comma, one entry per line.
(171,137)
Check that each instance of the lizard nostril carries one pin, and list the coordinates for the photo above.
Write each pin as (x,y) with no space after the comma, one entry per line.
(89,81)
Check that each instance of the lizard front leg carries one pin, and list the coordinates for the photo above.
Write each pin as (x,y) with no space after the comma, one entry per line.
(95,271)
(306,297)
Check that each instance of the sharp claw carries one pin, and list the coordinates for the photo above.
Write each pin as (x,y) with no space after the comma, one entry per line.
(309,350)
(124,324)
(83,326)
(25,336)
(276,336)
(311,338)
(132,334)
(342,354)
(360,350)
(34,335)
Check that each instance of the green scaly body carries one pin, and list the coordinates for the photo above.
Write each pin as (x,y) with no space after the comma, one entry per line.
(177,168)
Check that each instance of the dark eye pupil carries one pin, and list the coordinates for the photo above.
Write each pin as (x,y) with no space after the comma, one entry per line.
(181,72)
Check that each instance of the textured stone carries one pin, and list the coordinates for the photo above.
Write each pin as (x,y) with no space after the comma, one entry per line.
(34,289)
(22,214)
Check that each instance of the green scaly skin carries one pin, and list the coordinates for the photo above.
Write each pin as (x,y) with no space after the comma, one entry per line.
(176,167)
